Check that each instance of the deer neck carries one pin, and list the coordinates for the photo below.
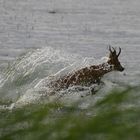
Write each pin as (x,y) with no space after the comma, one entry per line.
(102,69)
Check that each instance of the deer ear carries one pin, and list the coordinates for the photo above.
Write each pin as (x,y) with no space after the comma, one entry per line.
(119,52)
(110,49)
(114,50)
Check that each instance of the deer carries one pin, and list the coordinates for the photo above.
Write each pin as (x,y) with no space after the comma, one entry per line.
(92,74)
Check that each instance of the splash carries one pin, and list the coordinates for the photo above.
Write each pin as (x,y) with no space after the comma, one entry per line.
(26,80)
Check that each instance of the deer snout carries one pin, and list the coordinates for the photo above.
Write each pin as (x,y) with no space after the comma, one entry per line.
(121,69)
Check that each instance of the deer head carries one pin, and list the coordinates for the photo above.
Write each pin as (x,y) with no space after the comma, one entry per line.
(113,59)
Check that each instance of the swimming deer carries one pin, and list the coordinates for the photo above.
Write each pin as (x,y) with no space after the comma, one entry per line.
(92,74)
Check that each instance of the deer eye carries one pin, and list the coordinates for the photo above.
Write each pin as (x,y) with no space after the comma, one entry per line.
(111,66)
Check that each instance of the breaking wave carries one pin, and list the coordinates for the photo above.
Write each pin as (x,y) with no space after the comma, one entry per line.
(25,81)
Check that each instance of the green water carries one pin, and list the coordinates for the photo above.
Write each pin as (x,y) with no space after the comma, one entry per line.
(114,117)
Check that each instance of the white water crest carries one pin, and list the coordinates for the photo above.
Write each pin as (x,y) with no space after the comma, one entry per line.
(83,27)
(26,80)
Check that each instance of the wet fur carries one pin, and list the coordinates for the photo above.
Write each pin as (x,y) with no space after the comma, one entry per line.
(90,75)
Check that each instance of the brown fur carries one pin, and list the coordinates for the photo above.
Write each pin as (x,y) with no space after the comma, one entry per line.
(92,74)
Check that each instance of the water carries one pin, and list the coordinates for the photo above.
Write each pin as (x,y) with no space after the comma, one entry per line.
(40,38)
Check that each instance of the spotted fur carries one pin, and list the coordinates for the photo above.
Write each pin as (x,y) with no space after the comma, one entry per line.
(92,74)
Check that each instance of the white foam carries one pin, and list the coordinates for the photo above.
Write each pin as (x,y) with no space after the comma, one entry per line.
(54,64)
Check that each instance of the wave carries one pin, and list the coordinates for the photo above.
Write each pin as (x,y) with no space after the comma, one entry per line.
(26,80)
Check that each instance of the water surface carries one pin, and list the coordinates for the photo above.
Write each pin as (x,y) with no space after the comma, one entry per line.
(40,38)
